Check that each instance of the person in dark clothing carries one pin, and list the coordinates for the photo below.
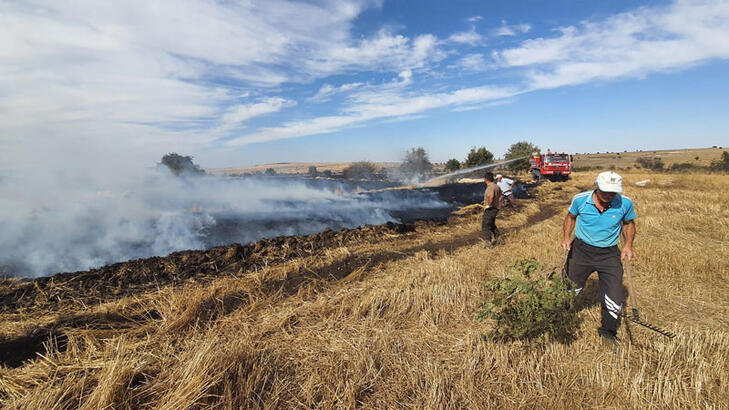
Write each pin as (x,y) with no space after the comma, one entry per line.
(491,201)
(599,217)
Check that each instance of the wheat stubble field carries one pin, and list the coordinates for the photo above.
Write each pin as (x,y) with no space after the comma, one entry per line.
(381,318)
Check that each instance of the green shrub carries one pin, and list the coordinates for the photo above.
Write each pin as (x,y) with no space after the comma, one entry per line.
(520,149)
(360,170)
(476,157)
(452,165)
(722,164)
(655,163)
(525,305)
(684,167)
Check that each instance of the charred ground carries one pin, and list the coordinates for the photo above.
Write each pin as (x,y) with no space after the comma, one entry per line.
(72,293)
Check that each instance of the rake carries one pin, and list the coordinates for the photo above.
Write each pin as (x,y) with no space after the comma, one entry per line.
(635,315)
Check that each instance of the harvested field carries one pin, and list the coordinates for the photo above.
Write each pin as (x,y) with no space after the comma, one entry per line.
(694,156)
(379,317)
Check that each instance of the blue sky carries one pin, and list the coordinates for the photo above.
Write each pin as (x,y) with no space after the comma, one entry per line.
(240,83)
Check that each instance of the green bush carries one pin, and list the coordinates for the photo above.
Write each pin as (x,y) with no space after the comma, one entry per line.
(685,167)
(452,165)
(519,150)
(525,305)
(655,163)
(360,170)
(722,164)
(476,157)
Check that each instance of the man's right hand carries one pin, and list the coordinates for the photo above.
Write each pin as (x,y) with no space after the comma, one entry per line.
(566,244)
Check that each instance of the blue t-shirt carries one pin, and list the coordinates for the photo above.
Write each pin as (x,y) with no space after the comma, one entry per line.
(596,229)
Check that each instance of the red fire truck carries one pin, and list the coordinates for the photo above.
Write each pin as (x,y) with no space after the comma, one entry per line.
(555,166)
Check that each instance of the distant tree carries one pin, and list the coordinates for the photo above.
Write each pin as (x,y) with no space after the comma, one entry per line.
(476,157)
(521,149)
(270,172)
(415,164)
(313,172)
(360,170)
(180,165)
(452,165)
(721,164)
(327,173)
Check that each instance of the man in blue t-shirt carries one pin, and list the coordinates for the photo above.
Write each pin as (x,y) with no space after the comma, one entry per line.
(598,217)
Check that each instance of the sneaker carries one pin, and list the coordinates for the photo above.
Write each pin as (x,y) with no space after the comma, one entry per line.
(488,245)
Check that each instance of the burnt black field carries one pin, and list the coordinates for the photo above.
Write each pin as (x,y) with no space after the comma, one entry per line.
(157,216)
(397,205)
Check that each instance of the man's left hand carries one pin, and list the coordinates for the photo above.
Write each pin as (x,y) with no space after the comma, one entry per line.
(627,253)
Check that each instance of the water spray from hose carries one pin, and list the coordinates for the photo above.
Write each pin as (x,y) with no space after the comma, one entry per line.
(440,180)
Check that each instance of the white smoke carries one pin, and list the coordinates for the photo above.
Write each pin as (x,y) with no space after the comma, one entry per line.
(54,223)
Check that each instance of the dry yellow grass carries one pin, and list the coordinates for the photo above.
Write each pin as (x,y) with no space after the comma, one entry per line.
(401,332)
(694,156)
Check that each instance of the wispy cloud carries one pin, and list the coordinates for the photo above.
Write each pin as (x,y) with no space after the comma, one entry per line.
(327,91)
(237,115)
(371,105)
(405,118)
(504,101)
(470,37)
(383,52)
(131,77)
(628,44)
(109,74)
(472,62)
(632,44)
(511,30)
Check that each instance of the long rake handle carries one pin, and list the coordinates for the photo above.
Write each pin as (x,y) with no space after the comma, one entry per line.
(631,290)
(551,271)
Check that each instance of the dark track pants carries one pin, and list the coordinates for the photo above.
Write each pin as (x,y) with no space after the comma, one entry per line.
(584,259)
(488,223)
(509,199)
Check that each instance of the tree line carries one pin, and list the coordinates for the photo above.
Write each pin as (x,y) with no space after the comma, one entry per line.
(519,151)
(416,164)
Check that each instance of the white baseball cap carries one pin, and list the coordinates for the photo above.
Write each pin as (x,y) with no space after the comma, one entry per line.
(609,181)
(498,176)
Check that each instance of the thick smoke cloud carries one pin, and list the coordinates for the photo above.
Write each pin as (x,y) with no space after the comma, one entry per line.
(58,223)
